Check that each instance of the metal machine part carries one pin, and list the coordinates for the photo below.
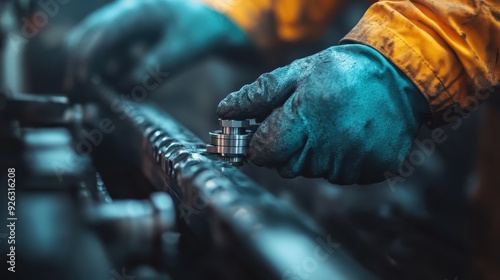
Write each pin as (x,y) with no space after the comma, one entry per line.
(129,226)
(220,206)
(231,141)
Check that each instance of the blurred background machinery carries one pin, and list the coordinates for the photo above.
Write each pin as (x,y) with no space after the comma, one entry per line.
(109,188)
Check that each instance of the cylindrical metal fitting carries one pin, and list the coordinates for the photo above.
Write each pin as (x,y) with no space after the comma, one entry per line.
(231,141)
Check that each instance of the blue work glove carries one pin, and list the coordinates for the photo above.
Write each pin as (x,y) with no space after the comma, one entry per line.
(345,114)
(127,40)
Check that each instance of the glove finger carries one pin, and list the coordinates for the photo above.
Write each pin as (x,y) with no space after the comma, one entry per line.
(259,99)
(75,43)
(170,56)
(294,165)
(92,43)
(278,137)
(81,54)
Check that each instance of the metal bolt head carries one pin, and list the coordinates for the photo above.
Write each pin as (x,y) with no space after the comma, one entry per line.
(234,123)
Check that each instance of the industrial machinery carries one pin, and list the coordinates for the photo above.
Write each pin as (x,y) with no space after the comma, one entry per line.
(108,188)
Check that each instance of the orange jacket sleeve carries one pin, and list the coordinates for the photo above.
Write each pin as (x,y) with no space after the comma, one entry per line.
(273,22)
(450,49)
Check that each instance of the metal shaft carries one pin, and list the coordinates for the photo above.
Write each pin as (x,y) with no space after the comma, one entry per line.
(231,141)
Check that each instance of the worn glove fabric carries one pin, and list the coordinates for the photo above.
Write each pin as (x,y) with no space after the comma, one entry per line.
(126,40)
(345,114)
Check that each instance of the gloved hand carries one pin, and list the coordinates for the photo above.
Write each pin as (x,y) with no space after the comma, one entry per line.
(126,40)
(345,114)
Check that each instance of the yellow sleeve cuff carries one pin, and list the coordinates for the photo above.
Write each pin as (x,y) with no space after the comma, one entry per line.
(428,47)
